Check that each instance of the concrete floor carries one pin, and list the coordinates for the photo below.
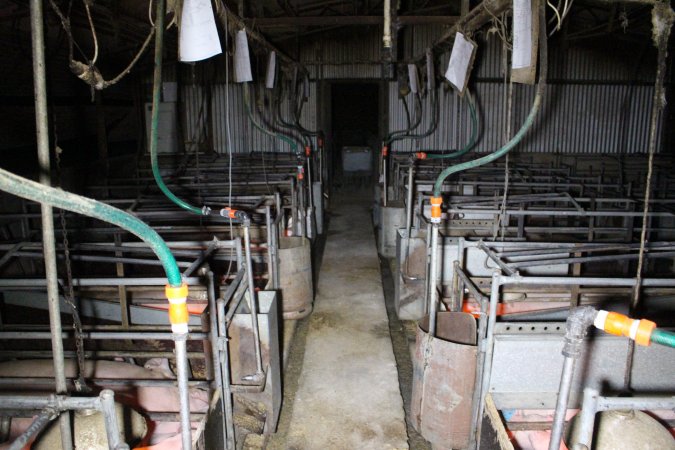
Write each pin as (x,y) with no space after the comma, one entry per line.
(347,392)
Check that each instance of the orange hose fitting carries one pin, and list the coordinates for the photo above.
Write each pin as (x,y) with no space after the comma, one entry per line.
(229,212)
(436,203)
(178,313)
(385,150)
(620,325)
(421,155)
(173,292)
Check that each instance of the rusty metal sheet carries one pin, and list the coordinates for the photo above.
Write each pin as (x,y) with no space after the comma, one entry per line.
(444,369)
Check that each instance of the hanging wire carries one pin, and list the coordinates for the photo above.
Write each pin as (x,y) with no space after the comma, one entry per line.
(88,72)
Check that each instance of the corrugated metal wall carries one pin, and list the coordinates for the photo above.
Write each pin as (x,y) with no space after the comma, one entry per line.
(243,136)
(599,101)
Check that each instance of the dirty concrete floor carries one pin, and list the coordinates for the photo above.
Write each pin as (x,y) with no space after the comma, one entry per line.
(347,394)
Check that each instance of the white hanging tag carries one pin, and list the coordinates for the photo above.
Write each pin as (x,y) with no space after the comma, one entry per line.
(242,61)
(461,60)
(198,37)
(413,78)
(525,32)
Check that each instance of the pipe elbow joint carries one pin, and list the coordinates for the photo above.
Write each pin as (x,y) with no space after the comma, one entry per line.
(236,214)
(578,322)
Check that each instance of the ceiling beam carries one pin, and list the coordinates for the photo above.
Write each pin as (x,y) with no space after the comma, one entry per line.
(327,21)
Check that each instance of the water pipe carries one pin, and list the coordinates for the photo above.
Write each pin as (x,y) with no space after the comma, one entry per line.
(464,150)
(249,111)
(642,331)
(515,140)
(154,121)
(176,290)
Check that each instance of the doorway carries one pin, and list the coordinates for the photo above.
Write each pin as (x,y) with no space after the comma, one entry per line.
(355,121)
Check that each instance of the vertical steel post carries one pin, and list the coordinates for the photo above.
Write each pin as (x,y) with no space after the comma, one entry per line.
(183,375)
(224,358)
(433,278)
(42,131)
(253,306)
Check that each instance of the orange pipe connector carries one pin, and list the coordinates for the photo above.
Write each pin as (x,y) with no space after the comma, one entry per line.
(178,310)
(436,203)
(640,330)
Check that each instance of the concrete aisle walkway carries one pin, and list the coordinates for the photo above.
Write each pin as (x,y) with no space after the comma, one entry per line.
(348,395)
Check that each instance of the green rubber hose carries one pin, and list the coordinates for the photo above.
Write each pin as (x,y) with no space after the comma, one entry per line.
(289,141)
(472,140)
(157,83)
(515,140)
(663,337)
(22,187)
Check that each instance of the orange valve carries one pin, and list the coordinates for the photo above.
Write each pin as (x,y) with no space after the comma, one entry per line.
(421,155)
(619,325)
(436,203)
(228,212)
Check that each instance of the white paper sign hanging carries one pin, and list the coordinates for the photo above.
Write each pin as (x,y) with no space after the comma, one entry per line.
(522,34)
(525,38)
(461,60)
(242,61)
(198,38)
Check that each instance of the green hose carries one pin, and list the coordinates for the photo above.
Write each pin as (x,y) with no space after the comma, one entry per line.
(36,192)
(663,337)
(472,139)
(289,141)
(157,83)
(515,140)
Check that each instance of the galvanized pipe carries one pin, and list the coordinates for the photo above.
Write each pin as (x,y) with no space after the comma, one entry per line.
(489,347)
(183,376)
(49,245)
(253,300)
(38,424)
(224,359)
(561,405)
(101,335)
(433,279)
(112,429)
(215,342)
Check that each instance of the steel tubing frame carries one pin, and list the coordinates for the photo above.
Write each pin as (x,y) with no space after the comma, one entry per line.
(57,405)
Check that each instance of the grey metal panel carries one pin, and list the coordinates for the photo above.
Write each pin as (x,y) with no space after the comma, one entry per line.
(526,366)
(98,309)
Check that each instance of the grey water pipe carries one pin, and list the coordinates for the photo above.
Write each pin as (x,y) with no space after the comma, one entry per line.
(154,125)
(253,300)
(594,403)
(224,358)
(48,238)
(578,322)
